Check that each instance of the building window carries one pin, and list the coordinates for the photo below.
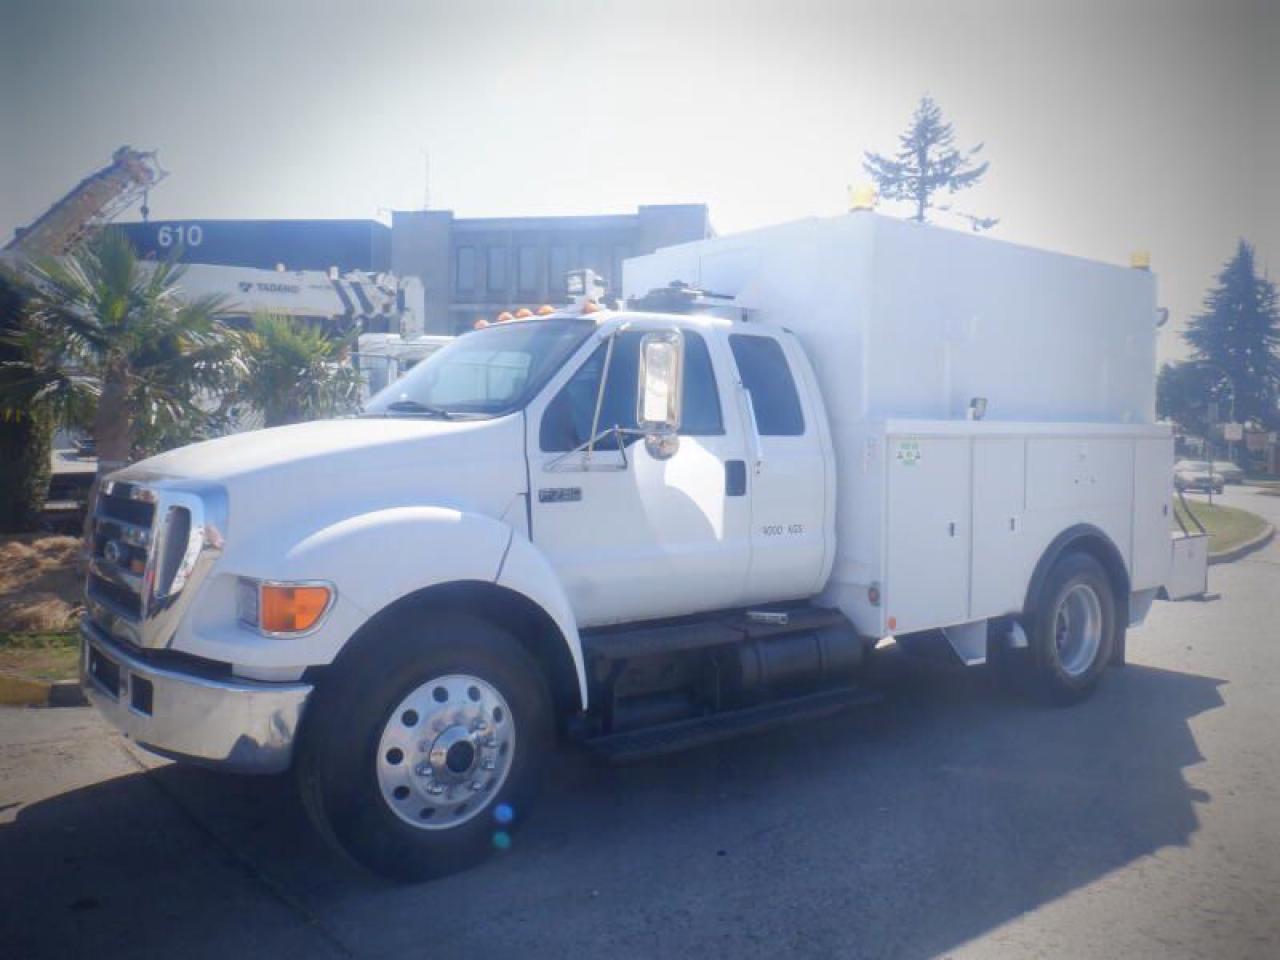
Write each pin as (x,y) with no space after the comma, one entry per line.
(497,269)
(464,272)
(589,257)
(558,268)
(527,269)
(620,252)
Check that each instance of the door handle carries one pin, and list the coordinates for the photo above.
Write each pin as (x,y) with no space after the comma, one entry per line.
(735,478)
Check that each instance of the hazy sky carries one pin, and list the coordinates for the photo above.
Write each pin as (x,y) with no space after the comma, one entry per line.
(1109,126)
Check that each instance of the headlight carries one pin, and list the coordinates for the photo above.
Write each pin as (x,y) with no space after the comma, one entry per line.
(283,609)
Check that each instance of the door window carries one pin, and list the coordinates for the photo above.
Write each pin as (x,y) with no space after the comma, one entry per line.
(767,376)
(566,424)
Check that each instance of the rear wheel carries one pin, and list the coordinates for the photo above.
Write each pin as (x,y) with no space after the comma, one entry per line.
(1073,629)
(423,751)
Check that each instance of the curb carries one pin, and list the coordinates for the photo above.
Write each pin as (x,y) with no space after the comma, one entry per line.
(20,692)
(1235,553)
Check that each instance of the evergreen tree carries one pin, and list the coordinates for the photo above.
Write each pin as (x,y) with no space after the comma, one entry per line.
(1184,392)
(927,161)
(1238,335)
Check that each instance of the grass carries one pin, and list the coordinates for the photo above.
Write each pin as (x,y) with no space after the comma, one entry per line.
(40,656)
(1228,527)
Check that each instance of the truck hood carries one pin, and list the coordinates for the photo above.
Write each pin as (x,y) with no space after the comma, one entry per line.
(285,481)
(349,445)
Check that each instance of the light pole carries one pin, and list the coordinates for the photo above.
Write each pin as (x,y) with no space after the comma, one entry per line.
(1231,445)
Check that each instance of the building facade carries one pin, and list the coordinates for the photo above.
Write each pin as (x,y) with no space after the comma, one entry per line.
(476,268)
(469,267)
(266,244)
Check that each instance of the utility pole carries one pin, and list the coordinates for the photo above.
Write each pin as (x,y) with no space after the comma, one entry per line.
(1226,378)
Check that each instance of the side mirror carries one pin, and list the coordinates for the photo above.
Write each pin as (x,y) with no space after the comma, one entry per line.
(660,399)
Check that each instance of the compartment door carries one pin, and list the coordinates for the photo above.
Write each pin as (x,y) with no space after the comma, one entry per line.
(1152,498)
(928,536)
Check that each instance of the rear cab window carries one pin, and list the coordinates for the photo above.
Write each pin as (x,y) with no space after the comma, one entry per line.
(766,375)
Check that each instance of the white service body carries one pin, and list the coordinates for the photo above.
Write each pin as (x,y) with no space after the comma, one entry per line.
(905,325)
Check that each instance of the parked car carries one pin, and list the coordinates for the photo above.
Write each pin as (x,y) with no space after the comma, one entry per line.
(1197,475)
(1229,472)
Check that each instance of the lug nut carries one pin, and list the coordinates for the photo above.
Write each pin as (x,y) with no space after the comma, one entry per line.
(435,789)
(488,764)
(476,786)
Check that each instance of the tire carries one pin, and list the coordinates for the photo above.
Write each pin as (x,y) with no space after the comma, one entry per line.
(1073,630)
(412,786)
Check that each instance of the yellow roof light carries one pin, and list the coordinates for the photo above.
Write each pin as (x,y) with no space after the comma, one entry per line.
(862,197)
(1140,259)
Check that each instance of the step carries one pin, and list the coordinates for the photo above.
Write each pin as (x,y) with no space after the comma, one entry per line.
(620,644)
(699,731)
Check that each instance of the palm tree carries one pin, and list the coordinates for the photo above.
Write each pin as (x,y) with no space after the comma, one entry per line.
(24,435)
(294,372)
(109,342)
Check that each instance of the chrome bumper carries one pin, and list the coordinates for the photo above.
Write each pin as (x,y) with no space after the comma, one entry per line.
(233,724)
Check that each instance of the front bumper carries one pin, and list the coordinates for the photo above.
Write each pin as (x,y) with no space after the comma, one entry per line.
(234,724)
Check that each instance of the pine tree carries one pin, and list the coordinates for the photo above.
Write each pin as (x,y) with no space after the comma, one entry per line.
(1238,334)
(927,161)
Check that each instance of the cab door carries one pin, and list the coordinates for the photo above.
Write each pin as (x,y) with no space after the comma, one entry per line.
(791,486)
(631,536)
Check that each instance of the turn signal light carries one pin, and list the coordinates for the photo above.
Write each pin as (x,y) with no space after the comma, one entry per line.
(285,609)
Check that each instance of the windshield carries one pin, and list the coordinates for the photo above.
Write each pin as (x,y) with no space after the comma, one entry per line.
(485,373)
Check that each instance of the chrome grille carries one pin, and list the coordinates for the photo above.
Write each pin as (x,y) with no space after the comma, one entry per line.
(150,545)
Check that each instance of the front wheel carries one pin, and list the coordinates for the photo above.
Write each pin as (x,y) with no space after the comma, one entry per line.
(1073,629)
(422,751)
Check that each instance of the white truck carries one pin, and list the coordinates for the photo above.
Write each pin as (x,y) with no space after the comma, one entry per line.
(649,528)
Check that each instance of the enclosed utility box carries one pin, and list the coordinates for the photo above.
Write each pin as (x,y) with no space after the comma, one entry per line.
(913,332)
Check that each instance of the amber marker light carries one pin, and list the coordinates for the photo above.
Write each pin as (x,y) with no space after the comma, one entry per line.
(291,608)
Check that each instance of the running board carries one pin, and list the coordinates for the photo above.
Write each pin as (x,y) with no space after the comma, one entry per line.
(685,734)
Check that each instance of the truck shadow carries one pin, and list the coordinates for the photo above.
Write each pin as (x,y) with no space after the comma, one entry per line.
(901,830)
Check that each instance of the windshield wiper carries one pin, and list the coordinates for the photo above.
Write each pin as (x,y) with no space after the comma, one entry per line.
(414,408)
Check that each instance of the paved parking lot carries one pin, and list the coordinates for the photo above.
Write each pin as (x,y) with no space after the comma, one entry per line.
(951,820)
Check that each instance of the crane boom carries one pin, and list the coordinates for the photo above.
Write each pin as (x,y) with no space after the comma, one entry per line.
(96,199)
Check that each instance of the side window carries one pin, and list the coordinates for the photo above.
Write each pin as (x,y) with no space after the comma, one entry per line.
(566,424)
(766,375)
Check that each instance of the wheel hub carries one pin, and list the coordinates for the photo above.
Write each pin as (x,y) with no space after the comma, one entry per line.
(445,751)
(453,754)
(1077,629)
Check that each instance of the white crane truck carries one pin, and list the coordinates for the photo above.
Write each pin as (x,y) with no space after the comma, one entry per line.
(647,528)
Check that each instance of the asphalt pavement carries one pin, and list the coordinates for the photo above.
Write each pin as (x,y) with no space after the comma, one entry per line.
(953,820)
